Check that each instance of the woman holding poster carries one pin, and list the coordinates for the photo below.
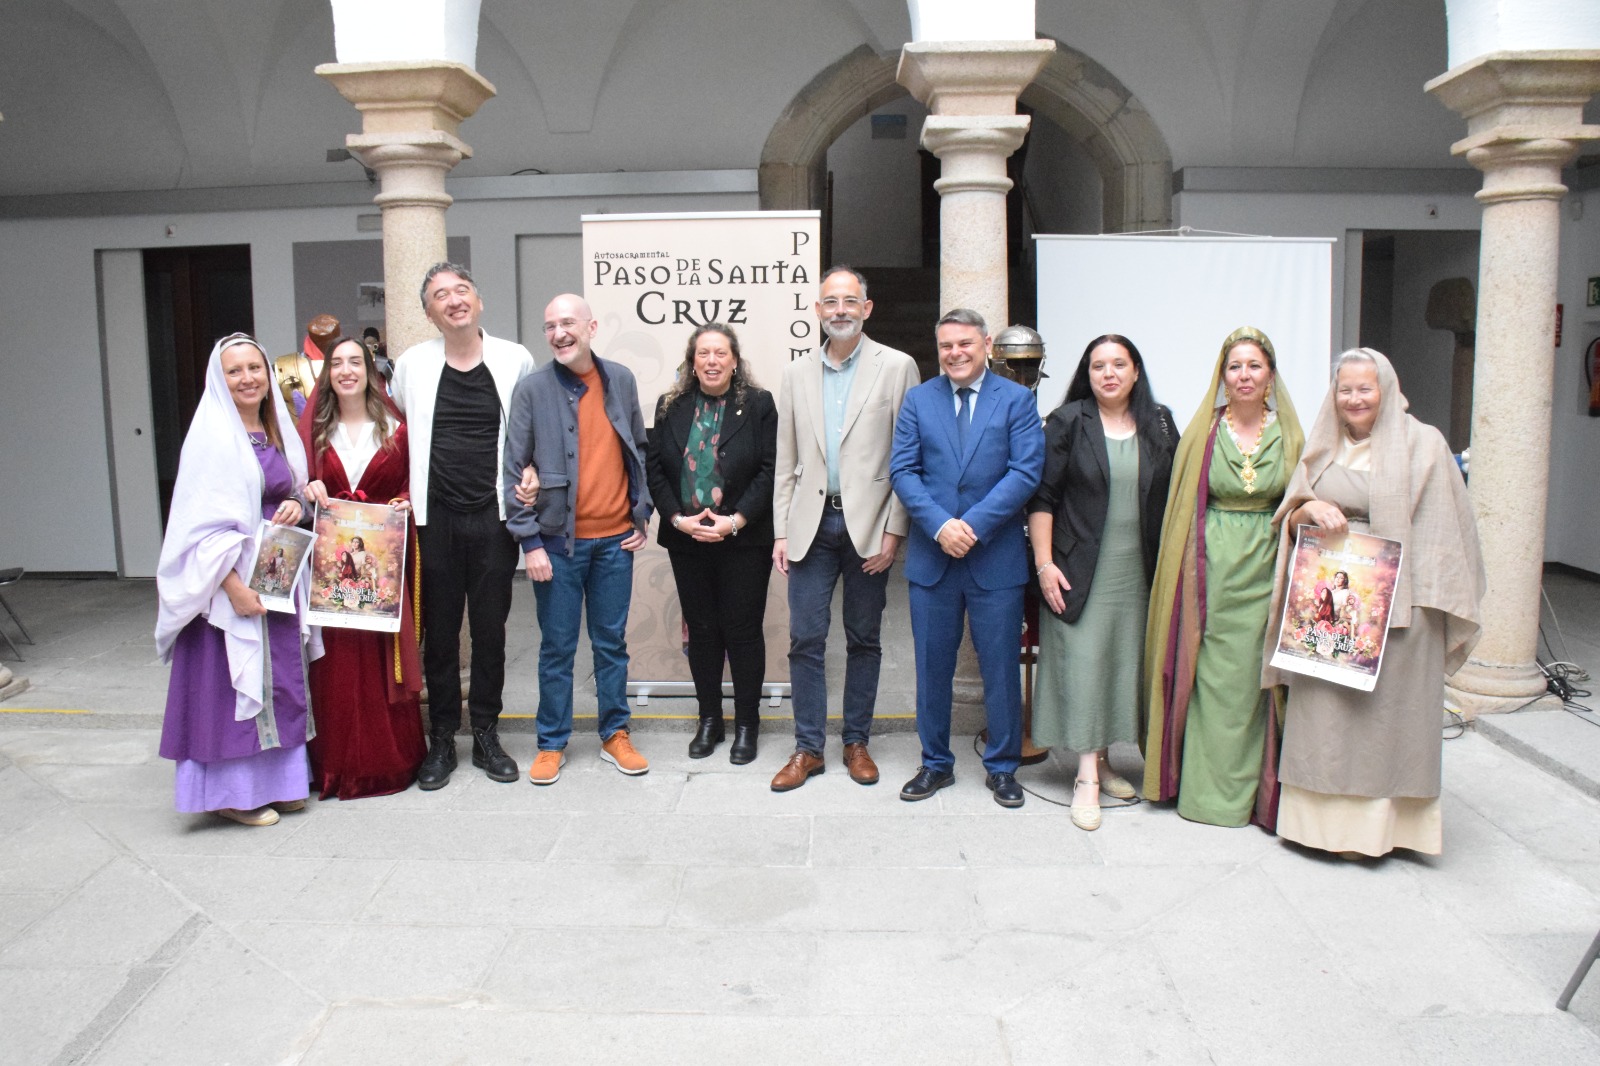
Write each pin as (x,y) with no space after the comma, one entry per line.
(1360,770)
(1095,527)
(369,723)
(713,450)
(237,713)
(1209,745)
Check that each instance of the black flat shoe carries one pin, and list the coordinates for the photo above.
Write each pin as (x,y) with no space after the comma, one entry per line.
(743,748)
(706,738)
(926,783)
(1006,791)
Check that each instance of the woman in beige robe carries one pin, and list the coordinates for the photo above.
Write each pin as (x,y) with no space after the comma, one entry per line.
(1360,770)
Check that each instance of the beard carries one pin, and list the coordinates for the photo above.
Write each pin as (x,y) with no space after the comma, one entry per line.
(850,329)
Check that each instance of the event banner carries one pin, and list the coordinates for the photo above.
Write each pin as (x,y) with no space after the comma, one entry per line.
(280,553)
(1336,608)
(358,566)
(651,279)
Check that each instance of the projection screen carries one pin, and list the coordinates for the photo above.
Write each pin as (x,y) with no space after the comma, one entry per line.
(1177,297)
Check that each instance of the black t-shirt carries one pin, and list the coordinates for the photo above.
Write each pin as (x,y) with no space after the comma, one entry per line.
(466,437)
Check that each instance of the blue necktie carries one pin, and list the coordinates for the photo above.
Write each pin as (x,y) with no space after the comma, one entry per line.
(963,418)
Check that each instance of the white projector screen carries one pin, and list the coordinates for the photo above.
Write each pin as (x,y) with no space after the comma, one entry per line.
(1177,297)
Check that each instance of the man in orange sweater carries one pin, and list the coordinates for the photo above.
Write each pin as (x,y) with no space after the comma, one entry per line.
(576,422)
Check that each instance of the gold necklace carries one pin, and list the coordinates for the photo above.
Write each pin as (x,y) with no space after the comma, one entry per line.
(1247,472)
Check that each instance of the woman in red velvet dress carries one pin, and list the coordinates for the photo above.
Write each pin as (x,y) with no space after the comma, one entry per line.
(365,688)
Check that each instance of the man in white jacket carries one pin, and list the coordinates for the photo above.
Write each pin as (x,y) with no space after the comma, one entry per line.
(454,392)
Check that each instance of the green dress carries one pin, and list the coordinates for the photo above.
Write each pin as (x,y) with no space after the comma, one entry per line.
(1227,725)
(1088,692)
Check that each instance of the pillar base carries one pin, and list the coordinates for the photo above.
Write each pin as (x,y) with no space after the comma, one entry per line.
(1498,688)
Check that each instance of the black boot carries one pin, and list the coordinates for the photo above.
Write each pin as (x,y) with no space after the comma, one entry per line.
(441,761)
(490,757)
(706,738)
(743,748)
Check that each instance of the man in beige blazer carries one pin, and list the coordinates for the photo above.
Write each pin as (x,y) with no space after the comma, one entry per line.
(835,515)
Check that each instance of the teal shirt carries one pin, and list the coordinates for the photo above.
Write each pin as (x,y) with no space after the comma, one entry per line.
(836,382)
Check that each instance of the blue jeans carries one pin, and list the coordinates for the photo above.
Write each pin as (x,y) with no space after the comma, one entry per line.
(811,584)
(596,580)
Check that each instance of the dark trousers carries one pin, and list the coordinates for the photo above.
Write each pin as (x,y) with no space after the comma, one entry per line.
(939,612)
(830,558)
(722,589)
(468,562)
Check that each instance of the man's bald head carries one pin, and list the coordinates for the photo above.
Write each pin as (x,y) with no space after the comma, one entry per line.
(569,329)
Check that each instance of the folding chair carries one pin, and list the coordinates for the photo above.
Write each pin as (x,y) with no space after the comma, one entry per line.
(11,577)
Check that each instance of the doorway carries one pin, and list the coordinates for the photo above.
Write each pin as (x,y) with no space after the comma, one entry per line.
(1418,307)
(192,297)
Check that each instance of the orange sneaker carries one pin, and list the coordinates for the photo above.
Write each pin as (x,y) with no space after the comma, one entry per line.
(546,768)
(620,752)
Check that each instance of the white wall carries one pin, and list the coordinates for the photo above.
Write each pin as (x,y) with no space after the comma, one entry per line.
(1573,530)
(54,472)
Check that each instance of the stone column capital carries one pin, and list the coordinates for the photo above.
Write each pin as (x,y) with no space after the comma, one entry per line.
(971,77)
(1524,113)
(973,149)
(408,97)
(1544,91)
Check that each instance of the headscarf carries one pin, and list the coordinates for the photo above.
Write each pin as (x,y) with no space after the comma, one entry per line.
(216,509)
(1417,498)
(1177,600)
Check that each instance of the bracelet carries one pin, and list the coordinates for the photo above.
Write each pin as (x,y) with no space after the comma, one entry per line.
(1040,566)
(733,523)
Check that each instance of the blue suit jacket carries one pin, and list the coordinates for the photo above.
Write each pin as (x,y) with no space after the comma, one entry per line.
(987,486)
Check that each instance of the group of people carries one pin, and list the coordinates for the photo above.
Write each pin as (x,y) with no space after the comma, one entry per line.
(1159,560)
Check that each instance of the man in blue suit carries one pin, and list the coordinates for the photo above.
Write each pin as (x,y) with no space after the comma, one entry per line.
(968,453)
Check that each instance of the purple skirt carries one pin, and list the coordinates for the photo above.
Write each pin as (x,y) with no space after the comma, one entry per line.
(220,760)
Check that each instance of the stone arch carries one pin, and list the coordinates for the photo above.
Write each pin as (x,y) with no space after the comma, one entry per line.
(1072,90)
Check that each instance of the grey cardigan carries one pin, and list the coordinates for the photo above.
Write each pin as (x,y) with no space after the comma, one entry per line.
(542,429)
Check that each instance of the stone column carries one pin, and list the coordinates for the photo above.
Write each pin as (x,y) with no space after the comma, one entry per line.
(1524,113)
(971,89)
(410,112)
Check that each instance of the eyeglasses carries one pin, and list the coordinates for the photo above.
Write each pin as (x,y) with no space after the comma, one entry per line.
(849,303)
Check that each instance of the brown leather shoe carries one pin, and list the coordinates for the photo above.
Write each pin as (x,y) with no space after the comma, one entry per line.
(801,765)
(863,771)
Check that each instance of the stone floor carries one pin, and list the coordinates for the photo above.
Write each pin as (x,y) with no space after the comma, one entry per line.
(693,916)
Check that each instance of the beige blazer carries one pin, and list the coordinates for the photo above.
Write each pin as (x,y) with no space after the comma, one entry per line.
(870,506)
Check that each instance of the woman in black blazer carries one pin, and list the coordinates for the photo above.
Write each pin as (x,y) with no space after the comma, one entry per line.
(712,452)
(1095,527)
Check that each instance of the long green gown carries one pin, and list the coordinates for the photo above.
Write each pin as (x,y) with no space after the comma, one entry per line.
(1088,692)
(1226,730)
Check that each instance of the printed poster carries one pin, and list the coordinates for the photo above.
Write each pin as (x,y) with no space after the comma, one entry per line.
(1336,609)
(280,554)
(358,566)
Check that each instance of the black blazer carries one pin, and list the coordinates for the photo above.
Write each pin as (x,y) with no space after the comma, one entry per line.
(747,451)
(1077,480)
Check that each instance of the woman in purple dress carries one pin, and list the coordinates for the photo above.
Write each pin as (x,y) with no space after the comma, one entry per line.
(238,716)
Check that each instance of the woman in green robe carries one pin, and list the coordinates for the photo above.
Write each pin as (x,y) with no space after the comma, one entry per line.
(1212,740)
